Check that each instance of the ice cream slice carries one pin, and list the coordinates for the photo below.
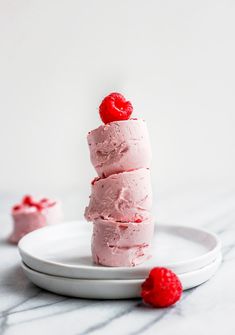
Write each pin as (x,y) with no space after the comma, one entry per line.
(30,215)
(124,197)
(120,146)
(121,244)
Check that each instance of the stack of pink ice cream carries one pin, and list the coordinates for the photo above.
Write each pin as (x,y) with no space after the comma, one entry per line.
(121,197)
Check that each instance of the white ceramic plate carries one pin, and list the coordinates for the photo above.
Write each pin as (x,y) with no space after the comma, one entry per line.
(64,250)
(110,288)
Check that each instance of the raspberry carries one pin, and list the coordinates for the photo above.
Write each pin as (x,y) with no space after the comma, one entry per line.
(114,107)
(16,207)
(27,200)
(162,288)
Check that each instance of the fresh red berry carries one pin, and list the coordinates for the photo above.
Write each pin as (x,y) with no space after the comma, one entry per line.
(27,200)
(162,288)
(114,107)
(16,207)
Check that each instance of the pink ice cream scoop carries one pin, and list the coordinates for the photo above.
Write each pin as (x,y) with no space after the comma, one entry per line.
(30,215)
(124,197)
(121,244)
(120,146)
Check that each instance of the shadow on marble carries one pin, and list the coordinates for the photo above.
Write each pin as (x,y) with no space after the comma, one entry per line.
(4,243)
(14,278)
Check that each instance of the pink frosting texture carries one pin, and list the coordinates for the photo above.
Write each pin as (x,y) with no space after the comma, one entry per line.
(120,146)
(121,198)
(121,244)
(27,219)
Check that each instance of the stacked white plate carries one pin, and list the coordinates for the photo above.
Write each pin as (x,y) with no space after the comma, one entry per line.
(58,259)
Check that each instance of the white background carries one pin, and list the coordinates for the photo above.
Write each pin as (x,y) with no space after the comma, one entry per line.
(175,60)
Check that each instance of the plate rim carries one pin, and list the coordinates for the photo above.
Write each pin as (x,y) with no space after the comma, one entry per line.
(217,261)
(215,251)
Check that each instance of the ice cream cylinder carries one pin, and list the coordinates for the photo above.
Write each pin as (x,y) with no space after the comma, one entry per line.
(27,219)
(120,146)
(121,244)
(124,197)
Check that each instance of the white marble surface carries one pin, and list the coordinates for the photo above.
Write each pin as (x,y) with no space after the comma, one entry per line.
(207,309)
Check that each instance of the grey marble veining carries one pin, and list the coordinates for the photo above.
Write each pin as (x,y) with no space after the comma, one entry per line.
(207,309)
